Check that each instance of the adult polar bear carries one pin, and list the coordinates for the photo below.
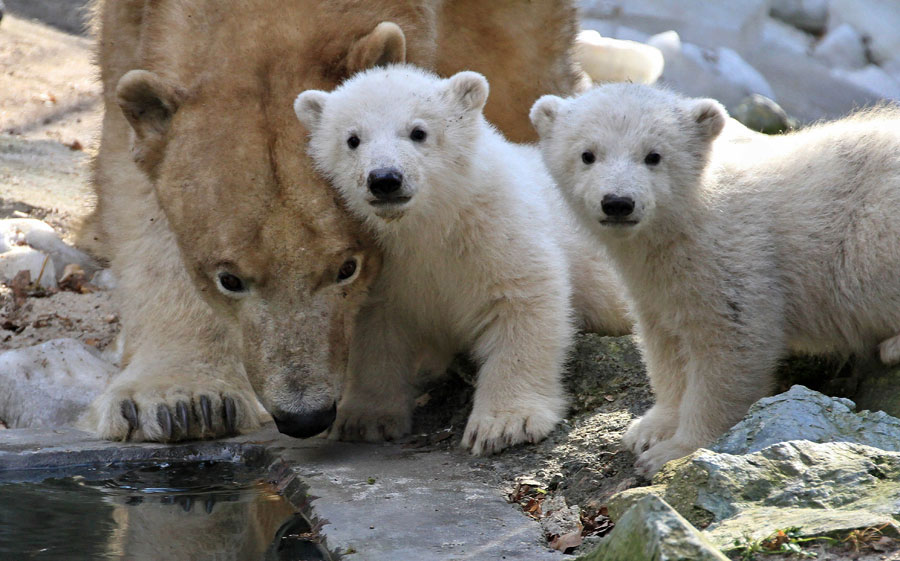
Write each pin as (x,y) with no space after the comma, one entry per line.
(238,271)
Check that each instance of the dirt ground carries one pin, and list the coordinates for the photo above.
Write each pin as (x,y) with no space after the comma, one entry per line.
(50,112)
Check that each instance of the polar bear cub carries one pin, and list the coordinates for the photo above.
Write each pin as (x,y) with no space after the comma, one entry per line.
(476,244)
(734,248)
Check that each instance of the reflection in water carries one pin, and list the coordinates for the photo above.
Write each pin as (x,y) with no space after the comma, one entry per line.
(196,511)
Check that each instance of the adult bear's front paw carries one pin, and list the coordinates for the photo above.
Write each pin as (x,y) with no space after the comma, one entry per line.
(168,411)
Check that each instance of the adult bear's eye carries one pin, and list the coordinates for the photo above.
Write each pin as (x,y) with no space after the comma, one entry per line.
(652,158)
(588,157)
(347,270)
(418,135)
(230,283)
(353,142)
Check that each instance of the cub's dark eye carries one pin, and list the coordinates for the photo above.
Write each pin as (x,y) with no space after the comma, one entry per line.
(353,142)
(347,270)
(588,157)
(652,158)
(418,135)
(231,283)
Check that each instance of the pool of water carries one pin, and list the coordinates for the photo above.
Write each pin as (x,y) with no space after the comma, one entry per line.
(166,511)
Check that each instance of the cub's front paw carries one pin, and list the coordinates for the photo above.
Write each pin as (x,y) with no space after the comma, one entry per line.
(654,427)
(367,422)
(169,412)
(651,461)
(491,430)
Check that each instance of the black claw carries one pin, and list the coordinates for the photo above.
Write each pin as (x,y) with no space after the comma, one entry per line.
(209,504)
(129,411)
(229,414)
(184,417)
(164,416)
(206,411)
(186,503)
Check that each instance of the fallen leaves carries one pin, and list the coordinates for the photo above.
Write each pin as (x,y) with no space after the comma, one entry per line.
(531,496)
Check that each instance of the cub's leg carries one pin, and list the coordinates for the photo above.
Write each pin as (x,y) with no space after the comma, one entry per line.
(889,351)
(723,379)
(182,378)
(378,393)
(519,393)
(664,359)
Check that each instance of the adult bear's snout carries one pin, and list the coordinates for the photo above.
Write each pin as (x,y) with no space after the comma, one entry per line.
(304,425)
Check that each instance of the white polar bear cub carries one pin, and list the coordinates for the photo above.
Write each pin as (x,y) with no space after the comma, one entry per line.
(734,249)
(476,241)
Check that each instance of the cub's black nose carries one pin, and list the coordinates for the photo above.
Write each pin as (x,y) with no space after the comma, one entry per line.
(616,206)
(306,424)
(385,183)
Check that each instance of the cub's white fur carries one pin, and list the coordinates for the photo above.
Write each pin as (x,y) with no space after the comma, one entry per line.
(478,247)
(740,247)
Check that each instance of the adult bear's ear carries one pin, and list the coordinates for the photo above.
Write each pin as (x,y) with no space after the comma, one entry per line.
(709,117)
(386,44)
(309,106)
(149,103)
(543,113)
(469,90)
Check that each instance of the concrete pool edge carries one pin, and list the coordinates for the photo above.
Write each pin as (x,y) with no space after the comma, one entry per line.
(383,501)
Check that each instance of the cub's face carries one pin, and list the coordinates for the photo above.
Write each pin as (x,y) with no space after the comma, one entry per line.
(388,137)
(625,154)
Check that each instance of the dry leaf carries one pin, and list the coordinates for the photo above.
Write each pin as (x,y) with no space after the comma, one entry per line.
(567,542)
(19,285)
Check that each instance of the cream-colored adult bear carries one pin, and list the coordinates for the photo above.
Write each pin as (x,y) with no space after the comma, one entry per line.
(477,244)
(238,270)
(735,249)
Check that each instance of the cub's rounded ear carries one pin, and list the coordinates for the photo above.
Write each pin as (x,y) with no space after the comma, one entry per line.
(309,106)
(469,89)
(543,113)
(386,44)
(709,116)
(149,103)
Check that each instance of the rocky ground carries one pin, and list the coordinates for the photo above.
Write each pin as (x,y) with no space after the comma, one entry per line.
(578,480)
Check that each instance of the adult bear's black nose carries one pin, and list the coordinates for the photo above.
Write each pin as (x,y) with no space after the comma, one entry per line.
(385,183)
(616,206)
(306,424)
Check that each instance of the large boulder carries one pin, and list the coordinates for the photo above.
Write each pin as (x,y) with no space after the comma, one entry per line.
(50,384)
(803,414)
(651,530)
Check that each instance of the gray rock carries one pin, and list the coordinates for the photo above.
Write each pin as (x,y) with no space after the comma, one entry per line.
(24,258)
(808,15)
(777,36)
(720,73)
(560,519)
(872,78)
(842,47)
(759,113)
(19,233)
(877,20)
(823,488)
(803,414)
(50,384)
(651,530)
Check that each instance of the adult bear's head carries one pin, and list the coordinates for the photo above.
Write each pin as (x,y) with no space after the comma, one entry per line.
(264,239)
